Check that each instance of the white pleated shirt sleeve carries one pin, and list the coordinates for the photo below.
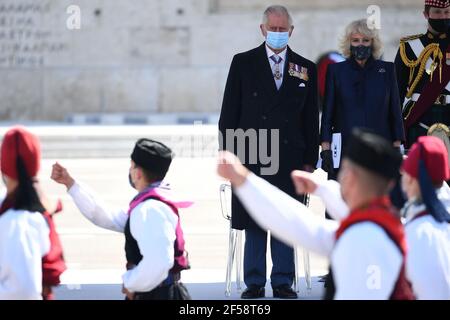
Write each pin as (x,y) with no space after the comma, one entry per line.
(24,240)
(288,219)
(153,226)
(330,193)
(96,211)
(366,263)
(428,259)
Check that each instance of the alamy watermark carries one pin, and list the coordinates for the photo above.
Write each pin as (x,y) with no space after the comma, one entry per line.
(374,17)
(73,22)
(251,146)
(373,281)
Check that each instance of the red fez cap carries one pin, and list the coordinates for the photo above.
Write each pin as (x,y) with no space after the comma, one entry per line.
(438,3)
(20,142)
(435,156)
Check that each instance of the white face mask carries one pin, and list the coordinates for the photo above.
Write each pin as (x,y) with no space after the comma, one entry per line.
(277,40)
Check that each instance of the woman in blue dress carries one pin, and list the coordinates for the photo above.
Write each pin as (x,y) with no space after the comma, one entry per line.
(360,92)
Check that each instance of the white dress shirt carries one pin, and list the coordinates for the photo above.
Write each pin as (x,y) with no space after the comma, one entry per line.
(152,225)
(282,55)
(24,240)
(365,261)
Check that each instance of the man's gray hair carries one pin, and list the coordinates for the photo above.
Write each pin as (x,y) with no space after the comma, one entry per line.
(276,9)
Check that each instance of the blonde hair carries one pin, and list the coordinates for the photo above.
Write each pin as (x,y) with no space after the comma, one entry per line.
(360,26)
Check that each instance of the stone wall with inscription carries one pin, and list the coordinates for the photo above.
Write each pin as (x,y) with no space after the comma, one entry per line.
(154,56)
(24,42)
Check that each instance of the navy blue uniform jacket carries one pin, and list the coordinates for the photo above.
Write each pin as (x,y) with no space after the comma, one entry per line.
(252,101)
(362,97)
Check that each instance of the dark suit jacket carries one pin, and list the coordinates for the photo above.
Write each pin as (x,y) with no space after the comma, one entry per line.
(362,97)
(252,101)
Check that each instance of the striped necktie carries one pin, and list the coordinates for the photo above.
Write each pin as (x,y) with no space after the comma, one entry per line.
(276,72)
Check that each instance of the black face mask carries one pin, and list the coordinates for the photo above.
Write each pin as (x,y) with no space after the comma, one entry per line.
(361,52)
(131,181)
(439,25)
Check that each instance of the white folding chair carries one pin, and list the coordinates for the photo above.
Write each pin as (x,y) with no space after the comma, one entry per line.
(306,262)
(234,241)
(235,248)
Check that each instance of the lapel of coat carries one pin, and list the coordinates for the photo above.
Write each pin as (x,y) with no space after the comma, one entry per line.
(286,85)
(286,78)
(265,75)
